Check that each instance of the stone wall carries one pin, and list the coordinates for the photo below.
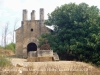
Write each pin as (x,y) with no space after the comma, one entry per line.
(40,55)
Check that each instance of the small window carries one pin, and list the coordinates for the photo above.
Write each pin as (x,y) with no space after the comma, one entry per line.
(31,29)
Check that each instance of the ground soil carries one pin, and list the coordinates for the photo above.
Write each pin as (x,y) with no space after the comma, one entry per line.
(51,65)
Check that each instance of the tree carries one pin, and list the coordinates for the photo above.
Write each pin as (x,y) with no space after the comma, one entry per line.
(5,33)
(16,21)
(2,42)
(76,31)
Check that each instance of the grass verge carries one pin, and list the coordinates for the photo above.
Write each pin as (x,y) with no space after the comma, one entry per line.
(4,61)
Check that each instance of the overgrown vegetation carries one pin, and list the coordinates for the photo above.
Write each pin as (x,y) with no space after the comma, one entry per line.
(4,61)
(11,46)
(1,47)
(76,32)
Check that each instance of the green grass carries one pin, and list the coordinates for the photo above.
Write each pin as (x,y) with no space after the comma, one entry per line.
(4,61)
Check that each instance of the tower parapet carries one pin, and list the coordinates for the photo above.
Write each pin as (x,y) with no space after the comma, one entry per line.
(24,15)
(33,15)
(41,14)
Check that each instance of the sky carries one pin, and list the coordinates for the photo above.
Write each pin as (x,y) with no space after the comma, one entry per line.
(11,11)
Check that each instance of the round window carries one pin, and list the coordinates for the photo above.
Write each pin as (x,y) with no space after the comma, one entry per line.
(31,29)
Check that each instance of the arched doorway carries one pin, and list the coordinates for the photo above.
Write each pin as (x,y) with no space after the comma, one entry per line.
(31,47)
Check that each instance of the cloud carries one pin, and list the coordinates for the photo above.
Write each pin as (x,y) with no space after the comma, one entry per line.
(13,5)
(1,3)
(2,11)
(1,25)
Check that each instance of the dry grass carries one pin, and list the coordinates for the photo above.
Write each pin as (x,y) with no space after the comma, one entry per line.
(6,52)
(52,69)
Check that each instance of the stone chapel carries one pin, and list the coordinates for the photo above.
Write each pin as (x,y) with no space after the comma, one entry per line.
(28,34)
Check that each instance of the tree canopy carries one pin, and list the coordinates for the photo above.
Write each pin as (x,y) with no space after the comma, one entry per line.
(76,32)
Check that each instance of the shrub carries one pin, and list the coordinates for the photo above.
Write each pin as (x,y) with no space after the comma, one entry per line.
(11,46)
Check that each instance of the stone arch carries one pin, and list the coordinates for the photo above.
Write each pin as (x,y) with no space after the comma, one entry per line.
(31,47)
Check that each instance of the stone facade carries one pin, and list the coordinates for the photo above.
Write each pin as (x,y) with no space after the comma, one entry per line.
(28,34)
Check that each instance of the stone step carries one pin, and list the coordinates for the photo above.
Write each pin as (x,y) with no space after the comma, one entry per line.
(55,56)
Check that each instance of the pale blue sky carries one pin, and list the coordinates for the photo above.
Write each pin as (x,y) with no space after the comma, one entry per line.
(10,10)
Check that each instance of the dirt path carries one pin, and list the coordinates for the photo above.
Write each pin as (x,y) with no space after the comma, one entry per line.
(23,67)
(63,64)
